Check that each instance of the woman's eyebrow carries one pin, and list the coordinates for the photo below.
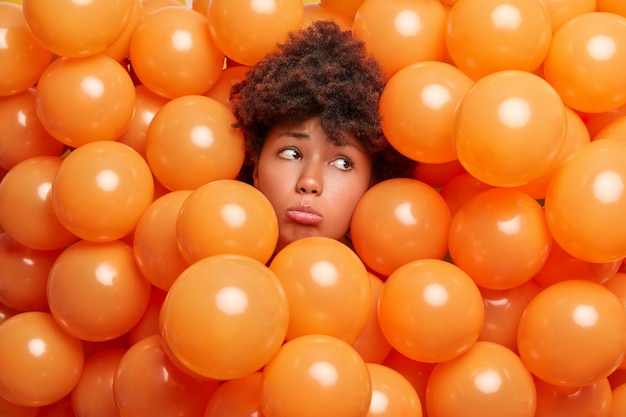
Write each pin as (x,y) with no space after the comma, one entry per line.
(297,134)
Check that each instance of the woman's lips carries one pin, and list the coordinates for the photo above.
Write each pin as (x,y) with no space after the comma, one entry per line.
(304,215)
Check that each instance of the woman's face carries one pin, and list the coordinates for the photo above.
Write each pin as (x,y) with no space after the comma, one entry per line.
(313,184)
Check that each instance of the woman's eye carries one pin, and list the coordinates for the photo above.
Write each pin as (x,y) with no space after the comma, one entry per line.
(344,164)
(289,153)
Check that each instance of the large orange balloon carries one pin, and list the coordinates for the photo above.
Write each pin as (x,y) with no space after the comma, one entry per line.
(585,59)
(82,100)
(500,238)
(327,286)
(40,363)
(331,379)
(235,26)
(23,58)
(509,128)
(191,141)
(173,54)
(224,317)
(417,107)
(585,202)
(398,221)
(401,32)
(101,189)
(236,398)
(487,380)
(573,333)
(556,401)
(392,394)
(444,294)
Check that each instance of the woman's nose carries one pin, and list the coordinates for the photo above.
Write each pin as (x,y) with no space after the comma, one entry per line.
(310,180)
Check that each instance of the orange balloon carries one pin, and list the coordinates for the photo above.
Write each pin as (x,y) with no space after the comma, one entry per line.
(235,26)
(331,379)
(461,189)
(555,401)
(40,363)
(61,408)
(201,6)
(398,221)
(93,394)
(417,373)
(26,211)
(615,129)
(9,409)
(327,286)
(24,275)
(561,12)
(417,107)
(173,54)
(236,398)
(155,242)
(488,379)
(82,100)
(73,29)
(119,50)
(149,6)
(440,291)
(500,238)
(487,36)
(191,141)
(147,384)
(585,202)
(437,175)
(371,342)
(23,58)
(392,394)
(101,189)
(317,11)
(572,313)
(226,216)
(611,6)
(347,8)
(22,135)
(595,122)
(509,128)
(503,310)
(617,285)
(618,401)
(149,322)
(401,32)
(95,290)
(242,309)
(584,60)
(229,77)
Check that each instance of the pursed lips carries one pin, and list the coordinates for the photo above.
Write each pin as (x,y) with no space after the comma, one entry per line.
(305,215)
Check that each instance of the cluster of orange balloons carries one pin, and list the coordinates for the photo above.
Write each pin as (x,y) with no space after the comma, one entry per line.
(138,276)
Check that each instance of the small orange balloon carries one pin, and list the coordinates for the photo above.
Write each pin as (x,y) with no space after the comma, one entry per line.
(317,11)
(392,394)
(398,221)
(119,50)
(618,397)
(40,363)
(346,8)
(556,401)
(572,313)
(461,189)
(487,380)
(509,128)
(241,309)
(417,373)
(82,100)
(101,189)
(9,409)
(173,54)
(327,286)
(95,290)
(226,216)
(487,36)
(23,58)
(440,291)
(437,175)
(229,77)
(191,141)
(236,398)
(611,6)
(561,12)
(149,322)
(331,379)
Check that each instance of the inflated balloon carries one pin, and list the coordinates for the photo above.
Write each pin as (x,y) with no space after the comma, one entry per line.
(556,401)
(327,286)
(119,50)
(148,384)
(40,363)
(573,313)
(26,208)
(584,60)
(561,12)
(417,373)
(509,128)
(230,76)
(191,141)
(417,107)
(173,54)
(95,290)
(82,100)
(398,221)
(234,26)
(9,409)
(461,189)
(23,58)
(236,398)
(598,121)
(392,394)
(489,379)
(585,202)
(402,32)
(332,380)
(233,301)
(61,408)
(77,29)
(101,189)
(500,237)
(316,11)
(611,6)
(22,135)
(149,322)
(347,8)
(615,129)
(618,401)
(440,291)
(437,175)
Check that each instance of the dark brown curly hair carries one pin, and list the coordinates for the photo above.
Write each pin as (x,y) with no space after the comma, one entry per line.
(319,71)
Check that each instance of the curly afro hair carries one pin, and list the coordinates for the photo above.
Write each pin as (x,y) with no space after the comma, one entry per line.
(319,71)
